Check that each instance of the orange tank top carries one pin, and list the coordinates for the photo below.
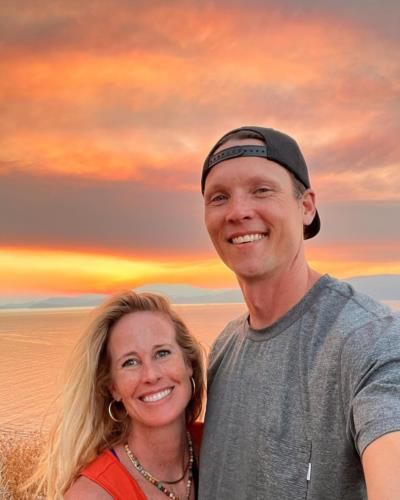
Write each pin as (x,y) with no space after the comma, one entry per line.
(108,472)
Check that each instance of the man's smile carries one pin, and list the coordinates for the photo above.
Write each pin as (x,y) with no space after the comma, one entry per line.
(247,238)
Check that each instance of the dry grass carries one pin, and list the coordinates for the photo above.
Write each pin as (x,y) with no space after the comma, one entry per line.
(18,456)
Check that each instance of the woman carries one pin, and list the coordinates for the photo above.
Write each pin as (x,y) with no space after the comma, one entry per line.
(134,391)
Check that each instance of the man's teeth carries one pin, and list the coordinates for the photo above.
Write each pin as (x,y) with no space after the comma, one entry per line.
(247,238)
(156,396)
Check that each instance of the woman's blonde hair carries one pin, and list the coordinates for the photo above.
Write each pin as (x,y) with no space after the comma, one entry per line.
(83,428)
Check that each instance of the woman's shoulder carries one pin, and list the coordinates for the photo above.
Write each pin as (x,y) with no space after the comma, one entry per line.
(86,489)
(85,486)
(110,475)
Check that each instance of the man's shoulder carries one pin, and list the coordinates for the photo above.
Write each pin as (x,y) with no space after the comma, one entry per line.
(230,332)
(347,322)
(234,326)
(349,306)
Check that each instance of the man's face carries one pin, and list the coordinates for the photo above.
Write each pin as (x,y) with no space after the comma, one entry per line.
(253,218)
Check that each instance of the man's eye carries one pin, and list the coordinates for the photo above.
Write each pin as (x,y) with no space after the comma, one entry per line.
(130,362)
(162,353)
(262,190)
(218,198)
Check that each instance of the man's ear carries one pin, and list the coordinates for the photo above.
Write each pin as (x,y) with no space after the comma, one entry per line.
(309,208)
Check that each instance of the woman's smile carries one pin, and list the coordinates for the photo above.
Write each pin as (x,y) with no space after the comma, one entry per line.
(156,396)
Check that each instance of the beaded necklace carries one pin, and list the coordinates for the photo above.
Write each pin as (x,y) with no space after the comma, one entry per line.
(158,484)
(180,478)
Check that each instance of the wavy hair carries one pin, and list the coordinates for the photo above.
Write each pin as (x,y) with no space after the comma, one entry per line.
(83,428)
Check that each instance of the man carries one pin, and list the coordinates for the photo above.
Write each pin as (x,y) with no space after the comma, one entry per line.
(304,391)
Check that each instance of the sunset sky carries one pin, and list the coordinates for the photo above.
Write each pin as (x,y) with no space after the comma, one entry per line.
(108,109)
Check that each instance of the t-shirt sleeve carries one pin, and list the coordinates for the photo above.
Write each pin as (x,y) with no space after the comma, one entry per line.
(370,381)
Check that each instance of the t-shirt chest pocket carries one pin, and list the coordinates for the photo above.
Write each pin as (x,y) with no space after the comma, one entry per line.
(283,469)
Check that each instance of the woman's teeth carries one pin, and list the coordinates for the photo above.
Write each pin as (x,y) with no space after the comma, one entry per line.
(151,398)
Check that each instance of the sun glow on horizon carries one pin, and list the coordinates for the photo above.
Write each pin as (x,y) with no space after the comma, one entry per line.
(61,272)
(77,272)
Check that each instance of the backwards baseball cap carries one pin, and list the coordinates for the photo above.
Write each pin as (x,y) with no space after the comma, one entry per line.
(278,147)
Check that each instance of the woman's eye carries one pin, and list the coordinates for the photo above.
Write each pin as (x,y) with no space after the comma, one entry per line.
(162,353)
(130,362)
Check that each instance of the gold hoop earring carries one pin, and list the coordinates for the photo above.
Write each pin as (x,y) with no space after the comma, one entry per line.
(111,413)
(193,386)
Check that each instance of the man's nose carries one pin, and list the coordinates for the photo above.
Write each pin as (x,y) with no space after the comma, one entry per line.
(239,208)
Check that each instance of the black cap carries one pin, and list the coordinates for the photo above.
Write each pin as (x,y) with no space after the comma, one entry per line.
(278,147)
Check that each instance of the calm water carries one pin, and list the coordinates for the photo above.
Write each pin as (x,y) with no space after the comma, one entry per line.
(34,347)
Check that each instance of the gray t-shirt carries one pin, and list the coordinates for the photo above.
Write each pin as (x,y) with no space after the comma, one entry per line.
(292,407)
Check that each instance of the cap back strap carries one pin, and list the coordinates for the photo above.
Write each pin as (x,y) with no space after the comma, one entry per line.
(235,151)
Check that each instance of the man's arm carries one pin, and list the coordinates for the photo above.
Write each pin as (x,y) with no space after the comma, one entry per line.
(381,464)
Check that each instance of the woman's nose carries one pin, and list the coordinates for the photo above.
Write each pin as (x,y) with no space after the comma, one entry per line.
(151,373)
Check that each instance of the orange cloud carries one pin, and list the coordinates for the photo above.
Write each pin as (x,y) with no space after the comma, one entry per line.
(132,105)
(364,185)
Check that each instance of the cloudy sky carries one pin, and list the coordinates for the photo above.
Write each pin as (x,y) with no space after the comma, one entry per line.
(108,109)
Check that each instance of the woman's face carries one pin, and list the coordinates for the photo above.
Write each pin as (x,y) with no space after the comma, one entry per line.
(148,371)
